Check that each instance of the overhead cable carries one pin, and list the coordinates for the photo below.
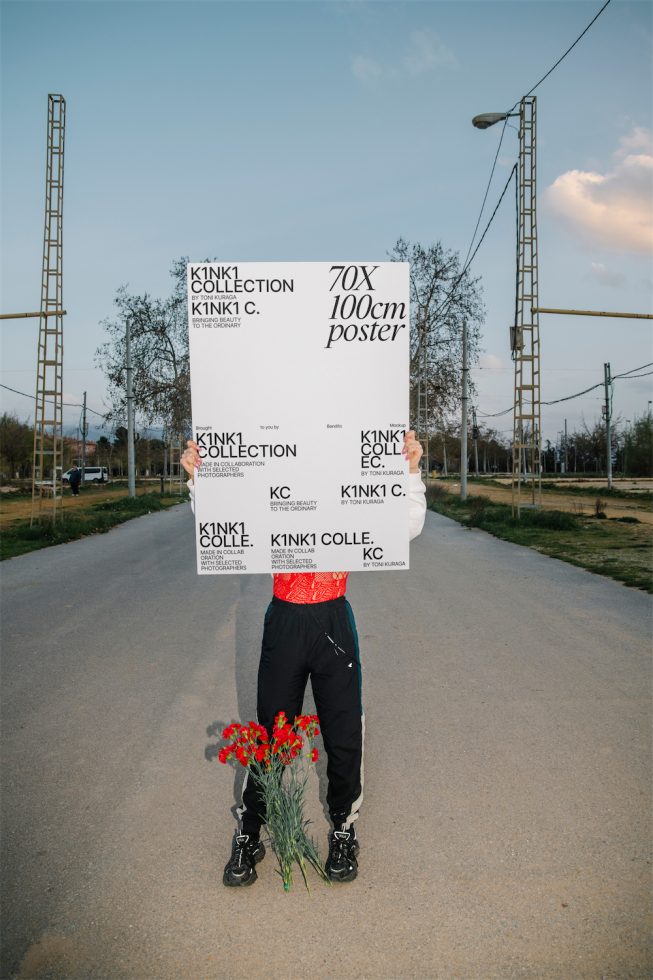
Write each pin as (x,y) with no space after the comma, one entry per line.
(449,298)
(67,404)
(562,57)
(624,376)
(468,261)
(626,373)
(487,191)
(568,398)
(494,415)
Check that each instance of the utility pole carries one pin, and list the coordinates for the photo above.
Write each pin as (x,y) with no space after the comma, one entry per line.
(475,438)
(131,464)
(525,336)
(463,422)
(608,439)
(48,406)
(566,461)
(422,388)
(84,431)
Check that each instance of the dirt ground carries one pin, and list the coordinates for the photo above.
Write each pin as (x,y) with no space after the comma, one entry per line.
(16,508)
(574,503)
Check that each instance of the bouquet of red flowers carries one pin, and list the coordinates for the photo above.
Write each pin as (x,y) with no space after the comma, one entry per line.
(280,769)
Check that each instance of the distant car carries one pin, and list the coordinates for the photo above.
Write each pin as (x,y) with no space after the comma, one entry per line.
(92,474)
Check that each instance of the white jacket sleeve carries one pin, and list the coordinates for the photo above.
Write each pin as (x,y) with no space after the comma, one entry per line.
(416,503)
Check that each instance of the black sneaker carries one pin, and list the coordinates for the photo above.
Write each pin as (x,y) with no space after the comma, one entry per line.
(341,864)
(246,852)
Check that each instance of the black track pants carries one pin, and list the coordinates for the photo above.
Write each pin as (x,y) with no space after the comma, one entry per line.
(317,640)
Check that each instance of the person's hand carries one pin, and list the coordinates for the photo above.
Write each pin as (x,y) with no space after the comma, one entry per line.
(190,458)
(412,451)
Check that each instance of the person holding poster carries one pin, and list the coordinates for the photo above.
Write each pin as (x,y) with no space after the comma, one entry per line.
(309,630)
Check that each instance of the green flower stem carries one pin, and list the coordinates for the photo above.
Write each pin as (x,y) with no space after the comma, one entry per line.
(283,790)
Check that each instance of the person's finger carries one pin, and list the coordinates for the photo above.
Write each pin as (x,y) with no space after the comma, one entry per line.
(190,461)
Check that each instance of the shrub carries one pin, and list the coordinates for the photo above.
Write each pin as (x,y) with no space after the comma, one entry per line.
(599,508)
(434,492)
(477,511)
(553,520)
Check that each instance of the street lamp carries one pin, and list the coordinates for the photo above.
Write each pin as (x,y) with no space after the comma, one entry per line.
(487,119)
(525,337)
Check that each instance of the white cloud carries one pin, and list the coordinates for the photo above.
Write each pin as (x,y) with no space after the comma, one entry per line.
(639,139)
(425,52)
(614,209)
(366,69)
(490,362)
(606,277)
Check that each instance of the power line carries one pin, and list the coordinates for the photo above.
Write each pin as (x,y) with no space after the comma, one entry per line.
(578,394)
(494,415)
(624,376)
(513,173)
(562,57)
(625,373)
(487,191)
(154,428)
(67,404)
(446,302)
(468,261)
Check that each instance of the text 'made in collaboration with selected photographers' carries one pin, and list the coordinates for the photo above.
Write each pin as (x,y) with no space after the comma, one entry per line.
(299,380)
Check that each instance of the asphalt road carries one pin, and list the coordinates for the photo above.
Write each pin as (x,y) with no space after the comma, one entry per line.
(506,823)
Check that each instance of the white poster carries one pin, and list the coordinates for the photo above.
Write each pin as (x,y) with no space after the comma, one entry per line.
(299,379)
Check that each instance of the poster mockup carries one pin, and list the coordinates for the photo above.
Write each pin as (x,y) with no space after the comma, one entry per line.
(299,380)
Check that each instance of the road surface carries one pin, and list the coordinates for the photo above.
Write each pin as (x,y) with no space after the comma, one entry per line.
(506,824)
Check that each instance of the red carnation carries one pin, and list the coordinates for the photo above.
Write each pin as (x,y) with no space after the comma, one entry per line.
(277,764)
(280,720)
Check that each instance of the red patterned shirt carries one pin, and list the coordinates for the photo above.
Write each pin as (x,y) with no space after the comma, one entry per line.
(308,587)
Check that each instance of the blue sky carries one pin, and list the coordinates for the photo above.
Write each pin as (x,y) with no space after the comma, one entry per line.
(317,130)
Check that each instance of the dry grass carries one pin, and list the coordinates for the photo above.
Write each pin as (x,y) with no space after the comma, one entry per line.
(620,547)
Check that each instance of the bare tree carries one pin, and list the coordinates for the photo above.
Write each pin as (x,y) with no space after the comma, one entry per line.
(441,299)
(159,345)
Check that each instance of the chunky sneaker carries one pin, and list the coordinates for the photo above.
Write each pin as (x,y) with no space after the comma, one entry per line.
(246,852)
(341,864)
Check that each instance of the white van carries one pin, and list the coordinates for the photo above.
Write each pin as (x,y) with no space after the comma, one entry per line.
(92,474)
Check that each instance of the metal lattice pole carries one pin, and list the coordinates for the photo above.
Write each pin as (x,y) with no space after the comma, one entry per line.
(48,436)
(527,456)
(422,393)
